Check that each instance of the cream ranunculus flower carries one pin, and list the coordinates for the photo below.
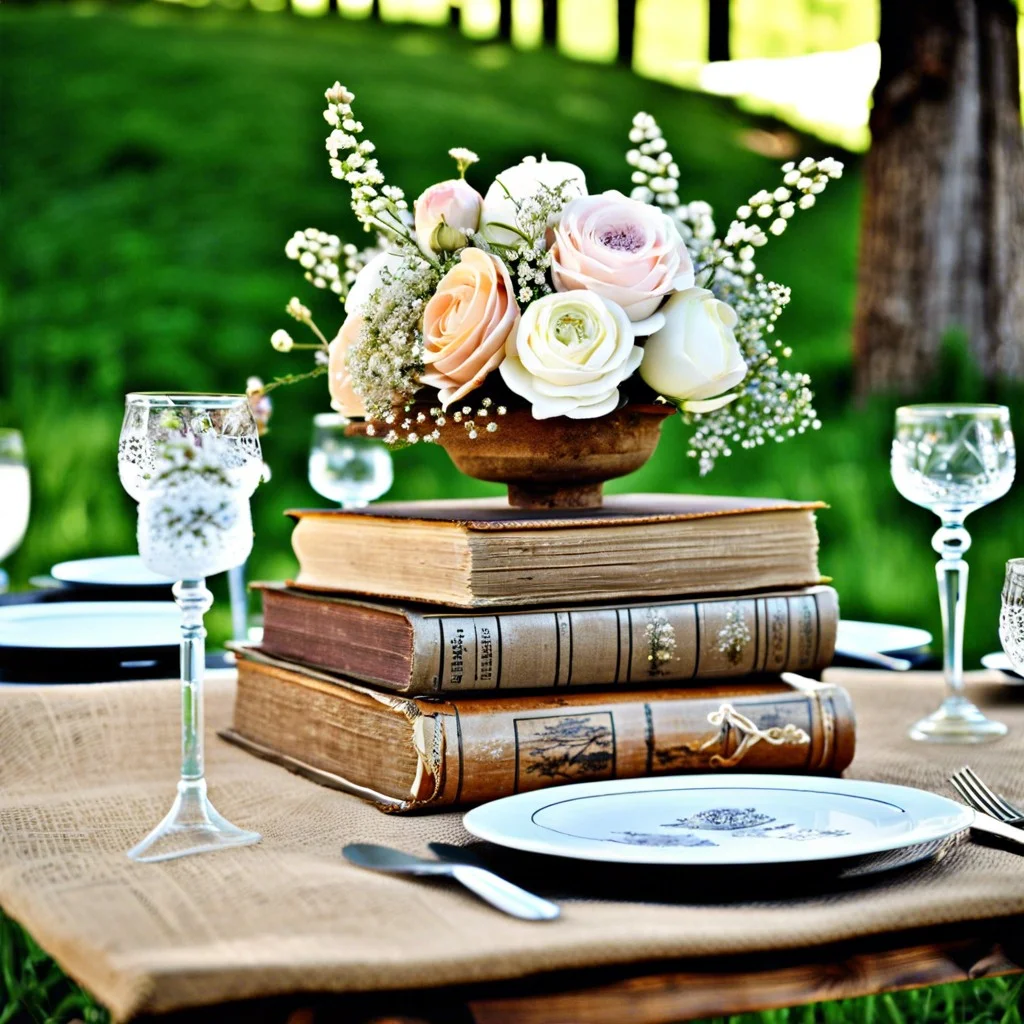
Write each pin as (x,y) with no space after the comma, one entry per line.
(511,187)
(627,251)
(694,358)
(570,354)
(466,324)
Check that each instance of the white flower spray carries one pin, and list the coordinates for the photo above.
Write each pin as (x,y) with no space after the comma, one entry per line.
(773,403)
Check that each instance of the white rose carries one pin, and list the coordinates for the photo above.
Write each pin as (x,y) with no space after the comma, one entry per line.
(370,278)
(694,358)
(569,355)
(519,183)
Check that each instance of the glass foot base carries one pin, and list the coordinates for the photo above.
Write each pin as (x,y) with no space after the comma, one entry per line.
(957,721)
(192,825)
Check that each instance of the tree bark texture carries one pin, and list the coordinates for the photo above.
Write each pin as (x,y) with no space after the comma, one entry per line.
(550,22)
(505,20)
(718,29)
(942,235)
(626,22)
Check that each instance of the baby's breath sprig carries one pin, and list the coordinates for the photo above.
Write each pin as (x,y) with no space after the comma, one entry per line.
(801,184)
(378,207)
(326,262)
(386,360)
(464,158)
(655,173)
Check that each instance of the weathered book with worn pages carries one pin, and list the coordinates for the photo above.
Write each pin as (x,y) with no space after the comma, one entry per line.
(421,649)
(470,554)
(429,752)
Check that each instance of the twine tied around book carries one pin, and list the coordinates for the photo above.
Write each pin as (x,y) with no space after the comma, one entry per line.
(727,718)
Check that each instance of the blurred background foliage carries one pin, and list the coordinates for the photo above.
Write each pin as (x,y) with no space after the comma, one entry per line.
(156,158)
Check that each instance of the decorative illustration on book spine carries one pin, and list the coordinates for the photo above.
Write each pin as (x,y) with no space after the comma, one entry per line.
(734,636)
(733,822)
(734,737)
(567,748)
(661,642)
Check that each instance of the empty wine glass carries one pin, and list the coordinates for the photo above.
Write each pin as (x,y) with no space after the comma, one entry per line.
(14,496)
(191,462)
(953,459)
(352,471)
(1011,615)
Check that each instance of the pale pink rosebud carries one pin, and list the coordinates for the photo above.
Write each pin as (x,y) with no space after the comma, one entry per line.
(445,215)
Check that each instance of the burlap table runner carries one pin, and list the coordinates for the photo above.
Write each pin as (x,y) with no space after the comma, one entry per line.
(86,770)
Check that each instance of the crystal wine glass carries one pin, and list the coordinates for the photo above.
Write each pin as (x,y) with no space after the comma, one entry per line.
(14,496)
(953,459)
(191,462)
(352,471)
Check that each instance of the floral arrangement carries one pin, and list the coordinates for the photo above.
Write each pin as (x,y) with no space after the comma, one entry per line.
(538,293)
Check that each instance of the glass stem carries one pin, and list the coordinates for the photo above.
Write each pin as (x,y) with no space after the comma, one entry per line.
(194,600)
(951,540)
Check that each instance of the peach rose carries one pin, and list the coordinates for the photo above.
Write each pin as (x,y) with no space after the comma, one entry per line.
(339,380)
(445,214)
(466,324)
(624,250)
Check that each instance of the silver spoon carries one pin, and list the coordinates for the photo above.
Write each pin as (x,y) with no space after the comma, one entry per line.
(487,885)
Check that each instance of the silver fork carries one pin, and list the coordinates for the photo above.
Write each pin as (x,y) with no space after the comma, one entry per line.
(981,797)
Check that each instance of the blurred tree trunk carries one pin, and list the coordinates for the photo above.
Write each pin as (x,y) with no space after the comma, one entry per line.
(942,235)
(627,31)
(550,10)
(505,21)
(718,29)
(455,16)
(375,10)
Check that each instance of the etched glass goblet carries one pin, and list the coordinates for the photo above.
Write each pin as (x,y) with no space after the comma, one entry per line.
(1011,615)
(953,459)
(14,496)
(191,462)
(352,471)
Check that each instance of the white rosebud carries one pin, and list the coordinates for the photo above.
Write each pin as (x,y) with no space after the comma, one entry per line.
(694,358)
(520,183)
(787,210)
(817,186)
(781,194)
(787,167)
(765,211)
(792,177)
(744,212)
(777,227)
(633,158)
(806,164)
(282,341)
(806,202)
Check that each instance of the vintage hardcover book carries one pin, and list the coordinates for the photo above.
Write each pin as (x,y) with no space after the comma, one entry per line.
(433,753)
(420,649)
(470,554)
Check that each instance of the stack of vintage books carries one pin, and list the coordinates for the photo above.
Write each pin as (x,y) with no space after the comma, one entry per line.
(445,653)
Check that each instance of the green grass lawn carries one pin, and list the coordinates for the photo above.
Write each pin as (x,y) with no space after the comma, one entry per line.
(155,160)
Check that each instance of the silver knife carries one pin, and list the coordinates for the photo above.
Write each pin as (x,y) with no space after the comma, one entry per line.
(993,827)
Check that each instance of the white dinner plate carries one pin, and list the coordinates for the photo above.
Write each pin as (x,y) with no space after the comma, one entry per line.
(115,571)
(716,820)
(879,637)
(999,662)
(89,625)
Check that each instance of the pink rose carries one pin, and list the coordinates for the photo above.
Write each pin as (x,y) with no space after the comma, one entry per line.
(445,213)
(624,250)
(466,324)
(339,380)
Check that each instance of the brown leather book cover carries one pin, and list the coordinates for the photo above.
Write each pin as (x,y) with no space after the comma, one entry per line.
(484,554)
(408,754)
(419,649)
